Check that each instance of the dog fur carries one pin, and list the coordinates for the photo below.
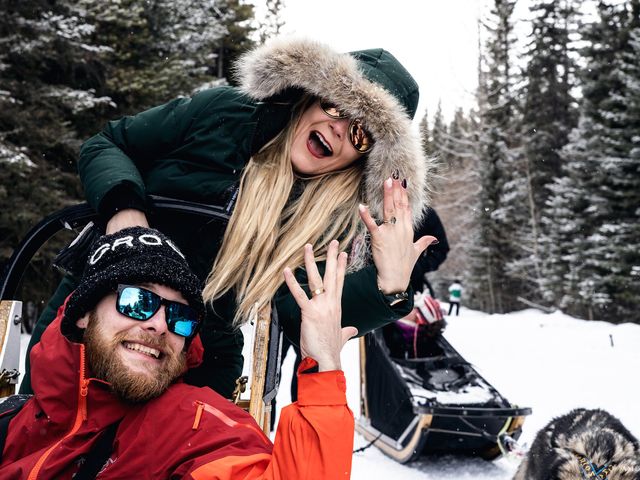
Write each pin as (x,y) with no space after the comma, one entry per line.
(594,434)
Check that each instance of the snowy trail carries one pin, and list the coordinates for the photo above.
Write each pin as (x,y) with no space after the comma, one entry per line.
(549,362)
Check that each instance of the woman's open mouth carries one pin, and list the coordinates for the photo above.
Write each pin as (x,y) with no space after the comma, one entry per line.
(318,145)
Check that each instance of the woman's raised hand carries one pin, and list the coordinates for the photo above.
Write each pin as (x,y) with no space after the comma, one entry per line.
(128,217)
(394,251)
(321,334)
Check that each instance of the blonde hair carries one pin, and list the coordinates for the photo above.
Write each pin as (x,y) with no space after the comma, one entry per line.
(268,229)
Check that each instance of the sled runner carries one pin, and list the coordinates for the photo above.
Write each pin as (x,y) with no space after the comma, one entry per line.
(431,404)
(257,386)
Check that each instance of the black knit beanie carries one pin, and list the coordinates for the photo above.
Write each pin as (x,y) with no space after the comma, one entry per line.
(134,256)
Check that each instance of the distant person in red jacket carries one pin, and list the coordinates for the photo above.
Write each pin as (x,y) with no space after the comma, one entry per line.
(107,379)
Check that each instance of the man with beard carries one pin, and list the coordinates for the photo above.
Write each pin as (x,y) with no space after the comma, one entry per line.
(109,401)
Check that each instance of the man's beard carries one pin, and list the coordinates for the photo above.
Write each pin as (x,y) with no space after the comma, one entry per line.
(106,364)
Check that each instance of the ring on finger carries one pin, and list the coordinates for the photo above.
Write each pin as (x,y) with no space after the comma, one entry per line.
(391,221)
(317,291)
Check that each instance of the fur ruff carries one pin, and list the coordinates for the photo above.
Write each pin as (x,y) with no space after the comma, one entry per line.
(323,72)
(593,434)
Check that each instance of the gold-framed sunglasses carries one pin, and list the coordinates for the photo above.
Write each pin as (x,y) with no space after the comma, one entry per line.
(359,137)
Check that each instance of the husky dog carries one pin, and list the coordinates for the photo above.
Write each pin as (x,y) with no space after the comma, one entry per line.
(583,444)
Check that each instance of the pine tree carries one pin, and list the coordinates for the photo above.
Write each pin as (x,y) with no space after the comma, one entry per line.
(27,192)
(626,278)
(237,16)
(48,79)
(272,22)
(599,190)
(438,133)
(459,145)
(158,49)
(491,250)
(68,66)
(455,198)
(548,115)
(47,90)
(425,135)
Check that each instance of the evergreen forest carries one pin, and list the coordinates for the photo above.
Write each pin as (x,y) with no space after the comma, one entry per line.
(538,185)
(540,182)
(69,66)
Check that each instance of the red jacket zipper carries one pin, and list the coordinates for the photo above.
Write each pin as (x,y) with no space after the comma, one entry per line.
(81,416)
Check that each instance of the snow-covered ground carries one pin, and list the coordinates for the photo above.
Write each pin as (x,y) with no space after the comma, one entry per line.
(549,362)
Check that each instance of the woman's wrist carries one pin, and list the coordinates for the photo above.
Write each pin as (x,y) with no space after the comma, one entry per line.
(391,287)
(328,364)
(128,217)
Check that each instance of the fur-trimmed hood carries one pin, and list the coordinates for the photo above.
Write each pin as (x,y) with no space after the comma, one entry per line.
(370,84)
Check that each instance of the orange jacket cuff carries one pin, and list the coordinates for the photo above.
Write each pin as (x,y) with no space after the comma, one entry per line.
(321,388)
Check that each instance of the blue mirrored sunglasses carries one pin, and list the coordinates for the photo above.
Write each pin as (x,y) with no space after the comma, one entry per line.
(141,304)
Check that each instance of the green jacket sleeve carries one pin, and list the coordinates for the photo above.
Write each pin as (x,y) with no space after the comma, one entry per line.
(115,157)
(363,305)
(182,137)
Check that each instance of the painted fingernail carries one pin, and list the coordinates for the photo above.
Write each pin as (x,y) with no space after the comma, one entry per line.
(404,183)
(388,182)
(362,207)
(396,174)
(435,242)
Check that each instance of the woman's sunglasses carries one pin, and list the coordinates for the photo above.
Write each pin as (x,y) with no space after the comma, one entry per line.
(142,304)
(358,135)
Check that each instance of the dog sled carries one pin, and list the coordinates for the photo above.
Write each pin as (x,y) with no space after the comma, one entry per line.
(257,386)
(429,400)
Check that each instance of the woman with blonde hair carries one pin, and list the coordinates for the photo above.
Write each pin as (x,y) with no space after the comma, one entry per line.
(312,146)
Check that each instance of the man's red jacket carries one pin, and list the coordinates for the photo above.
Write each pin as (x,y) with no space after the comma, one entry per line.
(188,432)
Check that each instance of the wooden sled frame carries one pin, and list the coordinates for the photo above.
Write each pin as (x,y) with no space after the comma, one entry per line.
(265,335)
(398,450)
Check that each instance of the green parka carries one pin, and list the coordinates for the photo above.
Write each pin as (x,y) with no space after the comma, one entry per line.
(196,148)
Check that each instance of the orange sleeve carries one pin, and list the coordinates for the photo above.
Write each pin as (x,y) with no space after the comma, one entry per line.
(314,439)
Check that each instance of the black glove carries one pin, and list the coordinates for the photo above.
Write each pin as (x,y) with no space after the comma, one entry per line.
(72,258)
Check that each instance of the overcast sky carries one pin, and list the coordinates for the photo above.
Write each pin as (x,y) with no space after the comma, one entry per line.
(436,40)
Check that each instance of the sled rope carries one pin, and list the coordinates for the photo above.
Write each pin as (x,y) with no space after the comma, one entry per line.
(508,445)
(362,449)
(480,431)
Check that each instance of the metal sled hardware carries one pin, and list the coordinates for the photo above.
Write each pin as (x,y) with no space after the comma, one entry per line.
(263,373)
(10,320)
(436,404)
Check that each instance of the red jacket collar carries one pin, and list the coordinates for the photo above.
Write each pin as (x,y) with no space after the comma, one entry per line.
(57,376)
